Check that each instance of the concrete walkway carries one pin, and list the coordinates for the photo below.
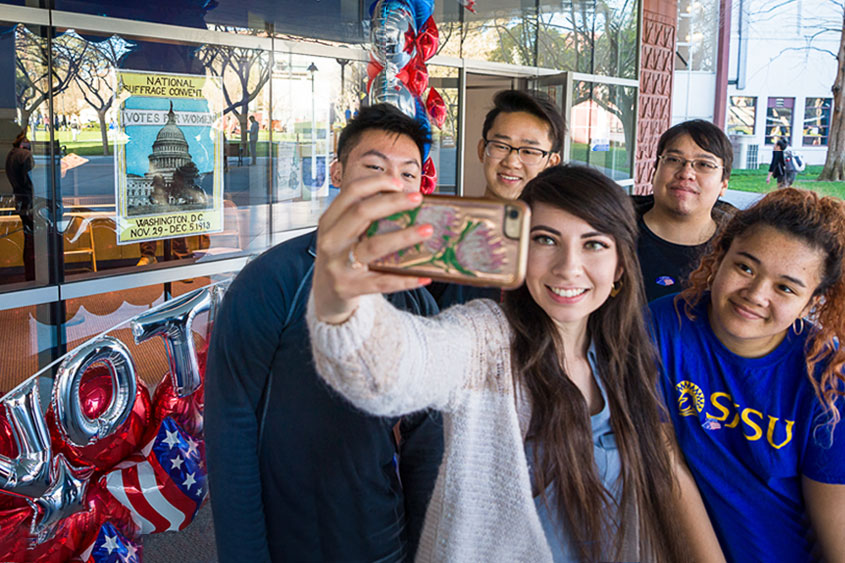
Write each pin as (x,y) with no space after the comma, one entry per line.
(741,199)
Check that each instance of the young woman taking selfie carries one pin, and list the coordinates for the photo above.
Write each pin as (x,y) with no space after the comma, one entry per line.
(753,379)
(554,447)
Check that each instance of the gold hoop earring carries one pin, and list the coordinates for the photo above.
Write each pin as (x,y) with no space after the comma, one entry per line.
(798,330)
(615,288)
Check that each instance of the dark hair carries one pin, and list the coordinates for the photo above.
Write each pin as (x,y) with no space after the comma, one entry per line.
(533,102)
(560,424)
(383,117)
(820,222)
(782,144)
(706,135)
(19,138)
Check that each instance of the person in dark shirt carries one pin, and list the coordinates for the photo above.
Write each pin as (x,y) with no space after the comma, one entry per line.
(19,165)
(778,168)
(296,472)
(678,221)
(522,136)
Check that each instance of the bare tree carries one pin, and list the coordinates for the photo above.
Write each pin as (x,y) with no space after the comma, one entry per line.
(243,71)
(35,81)
(592,37)
(818,25)
(834,164)
(95,77)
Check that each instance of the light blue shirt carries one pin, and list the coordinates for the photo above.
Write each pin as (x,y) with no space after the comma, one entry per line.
(607,461)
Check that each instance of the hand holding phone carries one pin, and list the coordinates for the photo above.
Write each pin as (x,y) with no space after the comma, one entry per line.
(475,241)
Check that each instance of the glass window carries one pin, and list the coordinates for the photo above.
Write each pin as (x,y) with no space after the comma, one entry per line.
(816,121)
(587,36)
(26,338)
(742,111)
(697,35)
(444,146)
(501,34)
(602,127)
(171,168)
(31,146)
(779,119)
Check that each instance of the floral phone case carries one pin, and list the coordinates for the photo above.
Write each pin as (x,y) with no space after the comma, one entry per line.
(475,241)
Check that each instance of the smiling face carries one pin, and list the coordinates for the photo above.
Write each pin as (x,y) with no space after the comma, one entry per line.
(571,266)
(683,191)
(506,177)
(380,152)
(764,283)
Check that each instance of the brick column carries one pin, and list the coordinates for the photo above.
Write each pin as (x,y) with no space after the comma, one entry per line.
(657,64)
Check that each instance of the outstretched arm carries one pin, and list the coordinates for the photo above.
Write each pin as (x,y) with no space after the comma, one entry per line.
(826,506)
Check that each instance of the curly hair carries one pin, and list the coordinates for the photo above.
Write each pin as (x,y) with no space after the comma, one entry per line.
(820,222)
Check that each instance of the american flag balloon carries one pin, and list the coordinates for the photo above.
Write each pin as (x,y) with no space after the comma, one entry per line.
(164,484)
(110,546)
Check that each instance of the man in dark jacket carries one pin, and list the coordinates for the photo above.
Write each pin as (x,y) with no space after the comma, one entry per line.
(680,219)
(296,472)
(19,165)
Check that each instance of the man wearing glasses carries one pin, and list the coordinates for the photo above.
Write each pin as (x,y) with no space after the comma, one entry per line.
(521,137)
(680,219)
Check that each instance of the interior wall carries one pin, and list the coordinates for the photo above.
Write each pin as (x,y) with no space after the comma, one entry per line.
(480,90)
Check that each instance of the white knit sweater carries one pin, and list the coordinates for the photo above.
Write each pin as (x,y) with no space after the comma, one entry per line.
(388,362)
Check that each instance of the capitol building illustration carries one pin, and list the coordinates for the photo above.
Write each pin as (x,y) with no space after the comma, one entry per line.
(169,154)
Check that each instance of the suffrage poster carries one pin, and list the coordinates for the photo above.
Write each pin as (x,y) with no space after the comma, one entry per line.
(169,153)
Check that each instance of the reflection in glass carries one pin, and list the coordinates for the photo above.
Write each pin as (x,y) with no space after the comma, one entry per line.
(742,111)
(591,36)
(816,121)
(26,207)
(444,149)
(602,127)
(779,119)
(698,31)
(90,127)
(313,98)
(502,33)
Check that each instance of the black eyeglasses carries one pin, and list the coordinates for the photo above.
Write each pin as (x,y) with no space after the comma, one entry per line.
(527,155)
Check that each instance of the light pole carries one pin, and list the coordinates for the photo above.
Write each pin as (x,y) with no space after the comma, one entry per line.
(312,68)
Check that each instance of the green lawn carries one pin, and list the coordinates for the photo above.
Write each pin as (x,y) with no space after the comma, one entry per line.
(755,181)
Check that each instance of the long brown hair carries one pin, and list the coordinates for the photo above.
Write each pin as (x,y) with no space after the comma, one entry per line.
(820,222)
(560,425)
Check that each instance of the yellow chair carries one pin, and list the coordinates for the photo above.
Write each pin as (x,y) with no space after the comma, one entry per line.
(79,238)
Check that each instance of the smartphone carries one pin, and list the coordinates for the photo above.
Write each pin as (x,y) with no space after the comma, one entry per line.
(476,241)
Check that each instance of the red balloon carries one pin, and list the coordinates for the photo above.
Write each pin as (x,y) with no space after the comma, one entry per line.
(14,533)
(436,107)
(73,534)
(95,392)
(428,181)
(8,448)
(186,411)
(112,511)
(428,39)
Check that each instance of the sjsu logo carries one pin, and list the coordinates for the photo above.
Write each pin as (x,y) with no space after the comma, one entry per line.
(726,414)
(690,398)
